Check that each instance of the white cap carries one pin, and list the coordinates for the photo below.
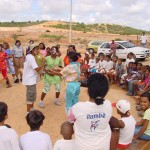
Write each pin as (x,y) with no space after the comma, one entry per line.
(123,106)
(87,53)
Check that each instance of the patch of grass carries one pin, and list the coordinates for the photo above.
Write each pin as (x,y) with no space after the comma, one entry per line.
(118,39)
(19,24)
(52,37)
(15,36)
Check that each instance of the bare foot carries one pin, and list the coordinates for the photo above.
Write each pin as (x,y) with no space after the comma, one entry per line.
(8,86)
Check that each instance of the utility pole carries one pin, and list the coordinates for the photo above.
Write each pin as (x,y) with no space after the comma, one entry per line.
(70,31)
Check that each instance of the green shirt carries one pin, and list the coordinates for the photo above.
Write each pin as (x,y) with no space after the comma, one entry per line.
(50,64)
(147,117)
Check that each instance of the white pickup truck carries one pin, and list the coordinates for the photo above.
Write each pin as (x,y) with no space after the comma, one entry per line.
(124,48)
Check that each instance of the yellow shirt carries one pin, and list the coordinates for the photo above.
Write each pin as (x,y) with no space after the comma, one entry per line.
(147,117)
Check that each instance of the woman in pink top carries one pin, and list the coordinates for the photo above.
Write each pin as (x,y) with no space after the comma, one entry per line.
(43,49)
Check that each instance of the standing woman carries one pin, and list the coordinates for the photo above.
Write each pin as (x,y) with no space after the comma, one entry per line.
(43,49)
(3,65)
(91,118)
(30,76)
(50,78)
(10,64)
(18,60)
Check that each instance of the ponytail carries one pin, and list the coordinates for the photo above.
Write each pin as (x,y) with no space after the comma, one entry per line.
(99,100)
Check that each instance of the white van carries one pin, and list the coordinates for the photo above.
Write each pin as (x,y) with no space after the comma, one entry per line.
(124,48)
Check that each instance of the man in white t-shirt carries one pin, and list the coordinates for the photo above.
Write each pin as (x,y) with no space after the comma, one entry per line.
(8,136)
(143,40)
(30,75)
(35,139)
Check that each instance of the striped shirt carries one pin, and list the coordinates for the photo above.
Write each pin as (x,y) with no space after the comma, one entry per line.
(18,51)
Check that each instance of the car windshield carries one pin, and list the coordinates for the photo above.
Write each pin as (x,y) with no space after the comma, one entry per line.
(127,44)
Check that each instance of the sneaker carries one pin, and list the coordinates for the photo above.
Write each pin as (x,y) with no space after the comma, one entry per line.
(57,102)
(16,81)
(41,104)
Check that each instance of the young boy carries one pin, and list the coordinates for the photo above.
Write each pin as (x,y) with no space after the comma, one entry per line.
(119,71)
(8,136)
(35,139)
(67,143)
(92,63)
(126,123)
(142,129)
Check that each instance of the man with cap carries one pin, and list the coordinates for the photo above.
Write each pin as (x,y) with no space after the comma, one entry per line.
(126,124)
(30,76)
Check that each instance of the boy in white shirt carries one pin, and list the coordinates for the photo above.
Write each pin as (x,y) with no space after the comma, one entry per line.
(8,136)
(35,139)
(67,143)
(126,124)
(92,62)
(102,64)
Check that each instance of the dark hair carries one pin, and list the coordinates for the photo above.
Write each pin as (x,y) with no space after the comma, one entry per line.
(3,111)
(140,64)
(108,56)
(42,45)
(146,94)
(98,87)
(135,63)
(73,56)
(35,119)
(55,48)
(31,41)
(115,56)
(130,54)
(1,45)
(17,41)
(73,46)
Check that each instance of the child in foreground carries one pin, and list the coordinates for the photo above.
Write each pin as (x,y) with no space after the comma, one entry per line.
(8,136)
(126,124)
(67,143)
(35,139)
(142,129)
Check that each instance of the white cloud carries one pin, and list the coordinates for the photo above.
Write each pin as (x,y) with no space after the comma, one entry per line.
(126,12)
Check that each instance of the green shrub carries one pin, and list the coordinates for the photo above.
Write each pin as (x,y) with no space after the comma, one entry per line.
(52,37)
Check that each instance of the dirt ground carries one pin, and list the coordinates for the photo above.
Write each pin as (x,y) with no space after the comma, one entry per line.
(55,115)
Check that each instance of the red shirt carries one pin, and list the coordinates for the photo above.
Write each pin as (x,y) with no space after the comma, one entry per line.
(3,57)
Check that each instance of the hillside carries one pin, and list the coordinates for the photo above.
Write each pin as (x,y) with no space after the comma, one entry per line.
(102,28)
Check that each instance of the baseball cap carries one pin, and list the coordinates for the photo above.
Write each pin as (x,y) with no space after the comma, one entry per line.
(123,106)
(32,46)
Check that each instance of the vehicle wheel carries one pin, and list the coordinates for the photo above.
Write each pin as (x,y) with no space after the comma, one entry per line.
(142,59)
(91,51)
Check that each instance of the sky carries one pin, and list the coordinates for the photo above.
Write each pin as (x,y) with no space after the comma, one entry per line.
(134,13)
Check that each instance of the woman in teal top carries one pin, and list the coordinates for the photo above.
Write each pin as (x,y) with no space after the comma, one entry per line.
(50,78)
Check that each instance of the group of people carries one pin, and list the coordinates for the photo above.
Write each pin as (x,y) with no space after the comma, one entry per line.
(91,121)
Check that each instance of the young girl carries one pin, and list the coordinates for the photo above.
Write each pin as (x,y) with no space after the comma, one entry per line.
(129,59)
(3,65)
(126,124)
(91,118)
(71,74)
(43,49)
(142,129)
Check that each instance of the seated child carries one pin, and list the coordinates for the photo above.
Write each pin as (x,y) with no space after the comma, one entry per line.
(119,71)
(112,73)
(35,139)
(92,63)
(129,59)
(102,63)
(142,129)
(67,143)
(8,136)
(126,123)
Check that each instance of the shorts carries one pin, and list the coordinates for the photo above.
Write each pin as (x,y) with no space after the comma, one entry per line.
(4,73)
(31,94)
(48,85)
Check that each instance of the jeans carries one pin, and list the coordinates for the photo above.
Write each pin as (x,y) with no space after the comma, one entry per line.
(130,87)
(143,136)
(72,94)
(143,45)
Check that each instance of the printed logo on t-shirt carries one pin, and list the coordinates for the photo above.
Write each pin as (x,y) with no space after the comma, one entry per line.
(94,125)
(95,120)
